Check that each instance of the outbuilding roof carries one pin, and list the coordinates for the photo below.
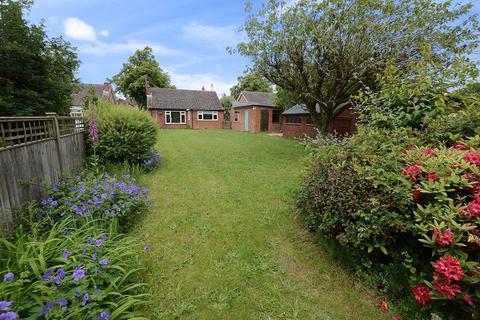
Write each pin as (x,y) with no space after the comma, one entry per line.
(178,99)
(259,98)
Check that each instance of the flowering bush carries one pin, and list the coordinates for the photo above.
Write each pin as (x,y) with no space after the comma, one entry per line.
(152,162)
(121,134)
(97,196)
(75,271)
(445,186)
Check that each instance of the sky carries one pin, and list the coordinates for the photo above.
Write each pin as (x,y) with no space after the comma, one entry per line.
(189,37)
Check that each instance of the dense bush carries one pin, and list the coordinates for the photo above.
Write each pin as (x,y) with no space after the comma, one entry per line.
(123,134)
(102,197)
(73,271)
(445,185)
(353,193)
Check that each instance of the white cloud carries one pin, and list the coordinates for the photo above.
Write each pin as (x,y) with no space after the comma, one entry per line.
(196,81)
(220,36)
(79,30)
(104,33)
(102,48)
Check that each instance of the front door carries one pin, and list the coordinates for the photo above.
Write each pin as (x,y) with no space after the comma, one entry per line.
(264,120)
(246,121)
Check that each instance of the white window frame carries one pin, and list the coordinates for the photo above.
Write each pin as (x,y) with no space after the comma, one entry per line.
(213,113)
(168,116)
(236,116)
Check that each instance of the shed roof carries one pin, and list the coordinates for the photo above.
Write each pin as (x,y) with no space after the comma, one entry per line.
(177,99)
(260,98)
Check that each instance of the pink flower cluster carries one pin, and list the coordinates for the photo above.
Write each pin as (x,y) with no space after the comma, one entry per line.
(472,157)
(412,171)
(443,239)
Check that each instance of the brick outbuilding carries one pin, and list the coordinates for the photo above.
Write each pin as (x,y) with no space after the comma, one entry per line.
(296,122)
(255,112)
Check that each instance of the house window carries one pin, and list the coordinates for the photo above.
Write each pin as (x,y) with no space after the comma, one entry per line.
(175,117)
(276,116)
(294,119)
(207,115)
(236,117)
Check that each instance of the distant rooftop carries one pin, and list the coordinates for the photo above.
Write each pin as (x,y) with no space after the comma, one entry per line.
(178,99)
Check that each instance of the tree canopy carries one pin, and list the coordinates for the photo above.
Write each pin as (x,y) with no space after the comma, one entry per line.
(141,66)
(326,51)
(285,99)
(37,73)
(250,81)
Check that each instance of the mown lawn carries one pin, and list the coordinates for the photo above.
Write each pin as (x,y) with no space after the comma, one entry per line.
(225,243)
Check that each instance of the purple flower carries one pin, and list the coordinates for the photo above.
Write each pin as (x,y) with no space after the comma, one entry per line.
(104,262)
(146,249)
(98,243)
(5,305)
(103,316)
(8,316)
(93,130)
(65,254)
(47,307)
(61,273)
(78,274)
(62,302)
(94,256)
(89,240)
(85,299)
(84,252)
(8,277)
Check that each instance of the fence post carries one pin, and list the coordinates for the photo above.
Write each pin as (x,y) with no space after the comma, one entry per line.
(56,130)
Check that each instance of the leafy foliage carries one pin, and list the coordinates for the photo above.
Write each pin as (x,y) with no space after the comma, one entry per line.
(326,51)
(37,72)
(140,67)
(226,102)
(125,134)
(250,82)
(285,99)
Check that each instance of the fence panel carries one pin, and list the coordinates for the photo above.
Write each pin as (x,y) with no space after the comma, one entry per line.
(35,152)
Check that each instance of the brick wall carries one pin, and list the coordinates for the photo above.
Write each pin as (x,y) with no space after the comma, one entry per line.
(191,121)
(343,124)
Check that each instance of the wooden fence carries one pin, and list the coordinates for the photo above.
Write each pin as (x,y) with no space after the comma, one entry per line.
(35,152)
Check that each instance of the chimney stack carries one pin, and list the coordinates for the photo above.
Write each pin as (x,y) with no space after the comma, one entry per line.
(148,91)
(203,88)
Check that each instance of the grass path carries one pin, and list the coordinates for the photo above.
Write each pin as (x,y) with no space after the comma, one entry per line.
(225,242)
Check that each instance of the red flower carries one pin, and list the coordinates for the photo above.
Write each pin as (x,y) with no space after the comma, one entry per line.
(470,177)
(432,177)
(468,298)
(443,239)
(416,194)
(472,210)
(449,268)
(446,289)
(429,152)
(460,146)
(384,306)
(422,294)
(472,157)
(412,171)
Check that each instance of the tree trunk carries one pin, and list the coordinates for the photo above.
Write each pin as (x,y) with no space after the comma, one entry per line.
(321,120)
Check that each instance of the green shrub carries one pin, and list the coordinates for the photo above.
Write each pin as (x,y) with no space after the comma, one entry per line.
(125,134)
(73,271)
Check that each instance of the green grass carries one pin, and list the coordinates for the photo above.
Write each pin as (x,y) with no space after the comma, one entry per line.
(225,241)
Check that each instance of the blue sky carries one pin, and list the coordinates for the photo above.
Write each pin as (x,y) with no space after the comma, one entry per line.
(189,37)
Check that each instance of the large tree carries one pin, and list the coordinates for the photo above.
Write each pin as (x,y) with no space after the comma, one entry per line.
(141,66)
(37,73)
(326,51)
(250,81)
